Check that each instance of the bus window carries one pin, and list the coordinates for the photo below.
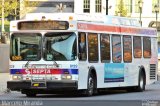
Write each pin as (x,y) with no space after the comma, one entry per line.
(92,47)
(26,47)
(60,46)
(82,46)
(105,47)
(116,48)
(127,48)
(137,47)
(146,47)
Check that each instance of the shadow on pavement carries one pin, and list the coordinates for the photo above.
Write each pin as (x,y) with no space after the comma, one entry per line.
(77,95)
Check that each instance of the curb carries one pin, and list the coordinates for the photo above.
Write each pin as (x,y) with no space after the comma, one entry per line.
(5,91)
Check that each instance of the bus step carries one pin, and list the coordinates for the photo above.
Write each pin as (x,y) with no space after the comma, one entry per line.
(39,87)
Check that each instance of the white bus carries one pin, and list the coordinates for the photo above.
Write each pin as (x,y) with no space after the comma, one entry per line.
(52,53)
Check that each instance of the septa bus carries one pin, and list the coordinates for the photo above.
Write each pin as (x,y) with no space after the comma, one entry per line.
(62,52)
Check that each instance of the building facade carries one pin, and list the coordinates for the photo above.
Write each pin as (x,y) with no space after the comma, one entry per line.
(66,6)
(45,6)
(133,7)
(104,7)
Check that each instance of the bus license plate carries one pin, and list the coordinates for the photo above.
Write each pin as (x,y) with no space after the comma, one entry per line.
(36,84)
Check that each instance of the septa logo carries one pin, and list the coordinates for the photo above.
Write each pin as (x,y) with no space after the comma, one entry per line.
(27,71)
(41,71)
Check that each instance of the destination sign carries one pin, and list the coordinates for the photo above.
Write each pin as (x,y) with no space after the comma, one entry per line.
(43,25)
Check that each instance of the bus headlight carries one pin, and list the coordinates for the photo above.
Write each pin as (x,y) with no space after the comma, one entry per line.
(16,77)
(66,77)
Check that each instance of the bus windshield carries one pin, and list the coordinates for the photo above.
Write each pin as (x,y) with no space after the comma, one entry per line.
(26,47)
(60,46)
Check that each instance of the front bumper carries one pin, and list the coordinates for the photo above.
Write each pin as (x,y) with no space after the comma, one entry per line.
(50,85)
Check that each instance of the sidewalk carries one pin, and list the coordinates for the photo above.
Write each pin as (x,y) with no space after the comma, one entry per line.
(4,77)
(4,67)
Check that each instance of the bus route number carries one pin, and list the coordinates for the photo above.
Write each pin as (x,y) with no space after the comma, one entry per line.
(73,66)
(16,58)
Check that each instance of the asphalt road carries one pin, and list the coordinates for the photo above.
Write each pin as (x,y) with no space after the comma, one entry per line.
(150,97)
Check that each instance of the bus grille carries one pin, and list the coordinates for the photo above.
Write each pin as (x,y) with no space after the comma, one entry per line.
(152,71)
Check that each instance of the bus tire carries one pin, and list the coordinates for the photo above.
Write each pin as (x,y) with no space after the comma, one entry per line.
(141,82)
(90,85)
(30,94)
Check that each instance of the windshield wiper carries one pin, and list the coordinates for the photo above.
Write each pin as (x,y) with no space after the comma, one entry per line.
(55,63)
(27,64)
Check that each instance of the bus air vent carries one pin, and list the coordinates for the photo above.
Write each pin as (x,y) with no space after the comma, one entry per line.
(152,71)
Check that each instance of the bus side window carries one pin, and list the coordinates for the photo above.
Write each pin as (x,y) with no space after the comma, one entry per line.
(137,47)
(116,49)
(127,48)
(92,47)
(105,48)
(146,47)
(82,46)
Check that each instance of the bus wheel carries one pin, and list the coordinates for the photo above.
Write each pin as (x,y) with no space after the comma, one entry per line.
(90,85)
(141,82)
(30,94)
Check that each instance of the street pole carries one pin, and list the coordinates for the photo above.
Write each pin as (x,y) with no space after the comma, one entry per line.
(2,26)
(140,4)
(106,7)
(156,8)
(156,18)
(140,15)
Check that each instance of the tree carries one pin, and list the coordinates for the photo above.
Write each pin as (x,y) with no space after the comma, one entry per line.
(4,11)
(6,8)
(121,10)
(12,7)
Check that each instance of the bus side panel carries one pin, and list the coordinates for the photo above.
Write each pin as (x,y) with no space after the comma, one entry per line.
(131,73)
(153,61)
(83,75)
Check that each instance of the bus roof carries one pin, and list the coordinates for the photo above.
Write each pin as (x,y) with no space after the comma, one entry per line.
(93,23)
(84,26)
(112,20)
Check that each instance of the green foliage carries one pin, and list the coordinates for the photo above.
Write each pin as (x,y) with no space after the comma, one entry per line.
(11,7)
(14,6)
(121,10)
(6,25)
